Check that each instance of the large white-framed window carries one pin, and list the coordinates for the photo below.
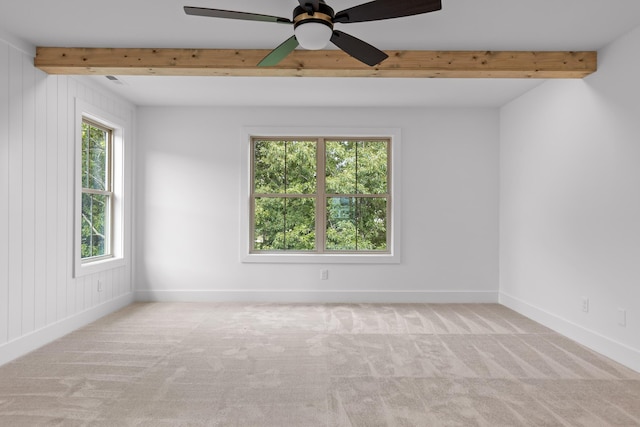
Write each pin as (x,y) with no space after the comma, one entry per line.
(99,190)
(320,195)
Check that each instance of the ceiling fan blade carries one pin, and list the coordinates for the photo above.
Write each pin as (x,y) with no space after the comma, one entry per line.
(230,14)
(360,50)
(386,9)
(279,53)
(310,5)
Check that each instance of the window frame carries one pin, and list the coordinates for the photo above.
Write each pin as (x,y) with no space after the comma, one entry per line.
(108,191)
(116,258)
(389,256)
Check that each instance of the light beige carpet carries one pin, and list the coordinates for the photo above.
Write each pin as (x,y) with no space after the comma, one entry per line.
(181,364)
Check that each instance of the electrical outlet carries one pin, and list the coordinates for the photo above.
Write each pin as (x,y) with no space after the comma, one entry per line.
(585,304)
(324,274)
(622,317)
(99,285)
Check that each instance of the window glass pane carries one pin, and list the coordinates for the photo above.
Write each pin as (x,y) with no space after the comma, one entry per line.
(341,224)
(372,224)
(269,223)
(285,223)
(372,167)
(95,220)
(285,167)
(300,234)
(301,167)
(340,159)
(269,167)
(356,223)
(95,158)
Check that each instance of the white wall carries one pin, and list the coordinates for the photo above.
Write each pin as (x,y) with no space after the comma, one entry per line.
(570,203)
(188,174)
(39,299)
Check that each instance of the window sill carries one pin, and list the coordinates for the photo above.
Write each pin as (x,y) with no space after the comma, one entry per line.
(321,258)
(98,266)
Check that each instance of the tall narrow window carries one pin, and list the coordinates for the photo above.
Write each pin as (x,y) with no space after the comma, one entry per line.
(97,191)
(101,214)
(320,195)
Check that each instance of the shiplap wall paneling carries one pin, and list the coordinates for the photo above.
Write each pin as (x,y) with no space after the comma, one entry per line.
(4,192)
(80,284)
(63,207)
(16,107)
(29,261)
(37,149)
(51,200)
(40,202)
(69,140)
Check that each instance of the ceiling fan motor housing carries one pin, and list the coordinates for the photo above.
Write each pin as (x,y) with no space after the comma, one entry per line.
(324,15)
(318,29)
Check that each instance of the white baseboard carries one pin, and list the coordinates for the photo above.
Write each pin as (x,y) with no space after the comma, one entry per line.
(614,350)
(27,343)
(286,296)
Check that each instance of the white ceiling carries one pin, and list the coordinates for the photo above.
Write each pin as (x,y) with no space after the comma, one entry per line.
(460,25)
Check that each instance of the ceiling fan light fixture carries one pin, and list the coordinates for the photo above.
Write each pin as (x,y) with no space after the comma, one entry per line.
(313,25)
(312,34)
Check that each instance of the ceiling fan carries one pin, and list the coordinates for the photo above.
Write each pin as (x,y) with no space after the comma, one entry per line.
(313,22)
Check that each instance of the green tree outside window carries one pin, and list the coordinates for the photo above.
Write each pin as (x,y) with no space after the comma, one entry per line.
(320,195)
(97,195)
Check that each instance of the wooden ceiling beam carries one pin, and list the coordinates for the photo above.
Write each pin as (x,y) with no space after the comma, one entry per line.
(323,63)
